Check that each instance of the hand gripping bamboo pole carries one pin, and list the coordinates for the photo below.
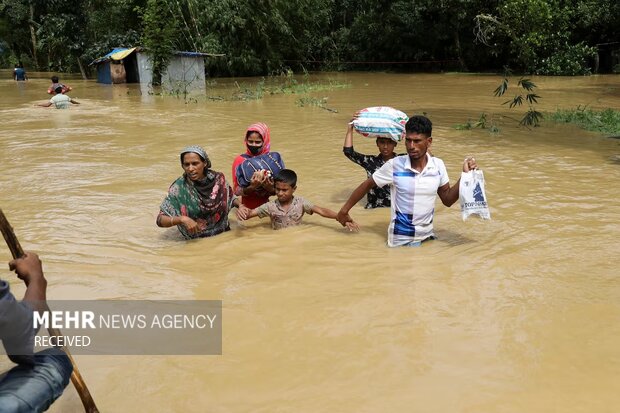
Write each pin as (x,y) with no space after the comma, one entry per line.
(76,377)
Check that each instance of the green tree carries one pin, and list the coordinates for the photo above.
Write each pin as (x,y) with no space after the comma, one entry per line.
(59,37)
(111,24)
(160,31)
(538,34)
(257,36)
(19,24)
(51,31)
(266,36)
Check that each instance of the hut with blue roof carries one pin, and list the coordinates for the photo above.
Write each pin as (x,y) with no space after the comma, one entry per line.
(133,65)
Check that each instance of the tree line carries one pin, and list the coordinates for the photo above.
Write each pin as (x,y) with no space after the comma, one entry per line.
(260,37)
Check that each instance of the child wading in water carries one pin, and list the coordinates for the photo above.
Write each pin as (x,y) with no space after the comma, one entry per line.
(287,210)
(55,84)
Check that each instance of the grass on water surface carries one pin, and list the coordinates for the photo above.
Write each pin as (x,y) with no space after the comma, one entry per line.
(606,121)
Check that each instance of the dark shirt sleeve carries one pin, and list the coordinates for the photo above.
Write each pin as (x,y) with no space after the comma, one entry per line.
(16,328)
(356,157)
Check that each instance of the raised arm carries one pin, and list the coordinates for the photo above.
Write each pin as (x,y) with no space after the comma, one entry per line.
(450,194)
(347,147)
(348,138)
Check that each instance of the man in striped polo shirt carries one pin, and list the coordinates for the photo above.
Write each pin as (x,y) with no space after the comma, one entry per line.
(415,181)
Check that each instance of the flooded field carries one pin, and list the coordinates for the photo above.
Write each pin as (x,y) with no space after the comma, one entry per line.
(517,314)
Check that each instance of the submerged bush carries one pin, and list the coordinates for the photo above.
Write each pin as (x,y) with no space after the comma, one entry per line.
(606,121)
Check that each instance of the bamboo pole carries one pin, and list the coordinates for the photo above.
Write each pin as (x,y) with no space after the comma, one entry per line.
(76,377)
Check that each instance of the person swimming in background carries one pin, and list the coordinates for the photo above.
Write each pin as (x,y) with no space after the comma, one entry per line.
(55,84)
(59,100)
(287,209)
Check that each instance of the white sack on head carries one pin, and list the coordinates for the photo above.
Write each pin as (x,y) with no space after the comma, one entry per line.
(381,122)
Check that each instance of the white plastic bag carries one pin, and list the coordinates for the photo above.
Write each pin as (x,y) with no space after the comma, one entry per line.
(381,122)
(472,197)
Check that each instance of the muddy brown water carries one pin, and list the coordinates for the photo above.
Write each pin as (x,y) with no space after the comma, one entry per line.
(521,313)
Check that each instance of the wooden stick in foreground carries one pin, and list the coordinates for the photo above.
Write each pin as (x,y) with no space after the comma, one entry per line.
(76,377)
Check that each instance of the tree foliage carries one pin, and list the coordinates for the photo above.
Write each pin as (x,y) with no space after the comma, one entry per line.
(532,117)
(110,24)
(539,35)
(269,36)
(159,35)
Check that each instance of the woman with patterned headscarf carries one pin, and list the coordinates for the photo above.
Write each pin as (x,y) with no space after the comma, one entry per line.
(198,202)
(257,142)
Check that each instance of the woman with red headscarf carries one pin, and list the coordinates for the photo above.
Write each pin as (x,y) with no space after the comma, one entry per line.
(257,142)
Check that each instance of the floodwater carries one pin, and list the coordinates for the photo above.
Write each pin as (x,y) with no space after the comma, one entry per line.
(517,314)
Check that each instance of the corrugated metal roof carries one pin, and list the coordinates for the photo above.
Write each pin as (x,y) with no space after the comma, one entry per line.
(191,54)
(122,52)
(109,55)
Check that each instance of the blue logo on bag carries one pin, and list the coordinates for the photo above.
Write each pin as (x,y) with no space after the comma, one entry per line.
(478,197)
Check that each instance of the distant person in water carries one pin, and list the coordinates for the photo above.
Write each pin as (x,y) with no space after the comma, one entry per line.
(19,74)
(55,84)
(287,209)
(59,100)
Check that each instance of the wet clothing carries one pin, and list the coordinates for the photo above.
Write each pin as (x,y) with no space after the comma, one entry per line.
(207,202)
(376,197)
(60,101)
(281,218)
(28,389)
(19,73)
(52,89)
(413,196)
(259,197)
(16,331)
(38,379)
